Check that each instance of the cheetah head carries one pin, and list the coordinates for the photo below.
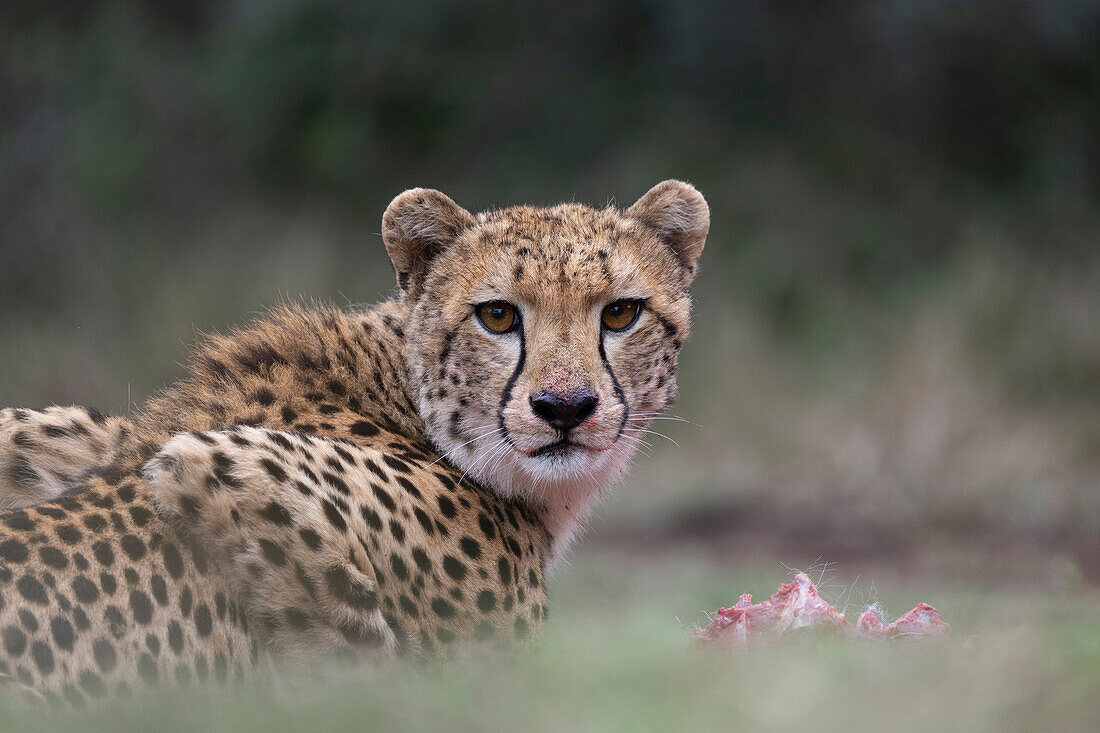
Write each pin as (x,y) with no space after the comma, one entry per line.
(541,341)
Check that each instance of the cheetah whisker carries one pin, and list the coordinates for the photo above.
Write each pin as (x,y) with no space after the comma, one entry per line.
(452,451)
(651,432)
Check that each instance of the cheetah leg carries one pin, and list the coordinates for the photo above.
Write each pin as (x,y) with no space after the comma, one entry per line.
(290,551)
(43,453)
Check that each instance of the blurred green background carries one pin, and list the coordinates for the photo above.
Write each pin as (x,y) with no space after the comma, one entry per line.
(896,362)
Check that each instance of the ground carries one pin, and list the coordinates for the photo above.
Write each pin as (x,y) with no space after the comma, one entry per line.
(617,657)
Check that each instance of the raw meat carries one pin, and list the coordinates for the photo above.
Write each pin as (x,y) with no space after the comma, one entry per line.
(797,605)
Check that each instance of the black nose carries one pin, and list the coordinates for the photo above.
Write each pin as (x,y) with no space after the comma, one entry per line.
(564,412)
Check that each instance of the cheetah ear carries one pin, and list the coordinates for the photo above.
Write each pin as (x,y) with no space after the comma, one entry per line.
(680,216)
(418,225)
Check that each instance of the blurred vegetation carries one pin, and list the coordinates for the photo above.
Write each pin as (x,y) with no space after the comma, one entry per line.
(617,658)
(898,305)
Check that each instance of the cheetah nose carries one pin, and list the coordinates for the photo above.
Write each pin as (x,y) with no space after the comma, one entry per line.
(564,412)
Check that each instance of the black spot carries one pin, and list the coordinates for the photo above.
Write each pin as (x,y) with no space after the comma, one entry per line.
(274,554)
(81,619)
(19,521)
(108,583)
(111,474)
(257,357)
(116,622)
(173,562)
(372,517)
(133,546)
(175,637)
(147,668)
(486,601)
(333,515)
(63,633)
(160,589)
(204,622)
(337,483)
(447,507)
(311,538)
(141,607)
(395,463)
(504,570)
(92,684)
(43,657)
(470,546)
(289,415)
(263,396)
(32,590)
(30,623)
(84,589)
(408,487)
(276,513)
(421,559)
(222,467)
(348,590)
(424,520)
(305,581)
(103,553)
(533,579)
(397,531)
(454,567)
(274,470)
(15,641)
(364,428)
(68,534)
(118,522)
(53,557)
(105,501)
(95,522)
(13,551)
(408,606)
(486,525)
(201,669)
(140,515)
(399,568)
(126,492)
(383,496)
(443,608)
(185,602)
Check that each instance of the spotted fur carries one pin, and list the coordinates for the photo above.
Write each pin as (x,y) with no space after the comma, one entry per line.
(43,452)
(316,485)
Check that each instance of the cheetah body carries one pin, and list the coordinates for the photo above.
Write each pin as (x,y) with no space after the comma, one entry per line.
(315,486)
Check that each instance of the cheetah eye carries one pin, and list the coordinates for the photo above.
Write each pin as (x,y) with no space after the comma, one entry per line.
(621,314)
(498,316)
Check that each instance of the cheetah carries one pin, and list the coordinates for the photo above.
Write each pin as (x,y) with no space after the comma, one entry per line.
(366,484)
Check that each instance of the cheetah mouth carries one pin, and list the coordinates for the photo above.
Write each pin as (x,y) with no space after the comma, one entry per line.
(558,448)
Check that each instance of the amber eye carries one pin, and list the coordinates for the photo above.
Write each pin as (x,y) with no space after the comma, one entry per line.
(498,316)
(621,314)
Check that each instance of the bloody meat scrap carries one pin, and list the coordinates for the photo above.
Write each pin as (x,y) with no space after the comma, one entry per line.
(797,605)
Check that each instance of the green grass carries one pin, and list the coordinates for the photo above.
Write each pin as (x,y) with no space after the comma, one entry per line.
(618,657)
